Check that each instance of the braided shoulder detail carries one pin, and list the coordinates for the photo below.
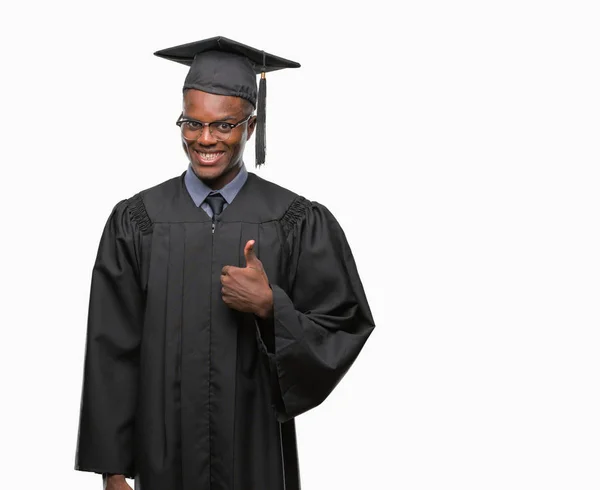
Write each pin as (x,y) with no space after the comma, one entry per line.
(139,215)
(294,214)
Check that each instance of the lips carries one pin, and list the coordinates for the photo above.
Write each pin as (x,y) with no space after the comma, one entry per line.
(208,157)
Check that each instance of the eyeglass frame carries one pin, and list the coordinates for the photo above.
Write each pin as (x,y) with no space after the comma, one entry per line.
(232,126)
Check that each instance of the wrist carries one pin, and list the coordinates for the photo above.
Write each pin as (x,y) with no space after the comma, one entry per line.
(113,477)
(265,310)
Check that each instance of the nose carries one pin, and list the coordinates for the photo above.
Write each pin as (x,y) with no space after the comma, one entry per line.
(205,137)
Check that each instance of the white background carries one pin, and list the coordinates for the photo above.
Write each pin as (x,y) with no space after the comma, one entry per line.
(456,142)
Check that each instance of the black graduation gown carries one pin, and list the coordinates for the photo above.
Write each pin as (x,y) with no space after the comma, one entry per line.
(184,393)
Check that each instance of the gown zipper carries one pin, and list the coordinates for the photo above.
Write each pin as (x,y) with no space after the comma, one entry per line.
(210,449)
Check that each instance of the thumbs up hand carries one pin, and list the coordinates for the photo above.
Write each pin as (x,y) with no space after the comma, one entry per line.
(251,258)
(247,288)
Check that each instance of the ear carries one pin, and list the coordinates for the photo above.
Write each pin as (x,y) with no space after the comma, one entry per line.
(251,126)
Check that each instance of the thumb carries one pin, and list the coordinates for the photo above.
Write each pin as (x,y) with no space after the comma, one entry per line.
(251,258)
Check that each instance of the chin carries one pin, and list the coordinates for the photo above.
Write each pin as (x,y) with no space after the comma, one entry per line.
(206,172)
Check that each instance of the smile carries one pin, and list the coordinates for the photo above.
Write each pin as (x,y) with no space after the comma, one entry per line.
(208,157)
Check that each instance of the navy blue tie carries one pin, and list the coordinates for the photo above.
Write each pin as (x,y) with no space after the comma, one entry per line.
(216,202)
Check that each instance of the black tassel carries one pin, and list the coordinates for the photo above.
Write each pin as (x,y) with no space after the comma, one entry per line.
(261,120)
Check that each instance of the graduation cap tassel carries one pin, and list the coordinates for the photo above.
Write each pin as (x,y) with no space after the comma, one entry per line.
(261,119)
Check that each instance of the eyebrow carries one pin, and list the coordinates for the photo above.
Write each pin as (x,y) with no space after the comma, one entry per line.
(223,119)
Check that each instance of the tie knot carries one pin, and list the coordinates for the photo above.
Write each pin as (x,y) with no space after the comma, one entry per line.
(216,202)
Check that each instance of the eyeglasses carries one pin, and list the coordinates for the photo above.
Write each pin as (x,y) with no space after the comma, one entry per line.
(191,129)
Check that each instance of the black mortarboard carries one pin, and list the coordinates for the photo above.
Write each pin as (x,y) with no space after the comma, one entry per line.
(224,67)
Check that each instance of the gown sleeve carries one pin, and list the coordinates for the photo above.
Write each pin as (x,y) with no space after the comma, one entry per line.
(320,328)
(108,403)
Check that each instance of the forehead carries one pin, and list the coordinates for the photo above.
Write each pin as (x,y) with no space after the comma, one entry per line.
(204,106)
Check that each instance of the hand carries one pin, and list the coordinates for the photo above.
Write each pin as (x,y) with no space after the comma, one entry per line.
(247,288)
(116,482)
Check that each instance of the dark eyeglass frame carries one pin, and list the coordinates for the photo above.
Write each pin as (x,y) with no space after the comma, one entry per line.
(210,125)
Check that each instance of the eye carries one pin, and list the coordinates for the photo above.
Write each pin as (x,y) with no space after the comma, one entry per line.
(223,127)
(193,125)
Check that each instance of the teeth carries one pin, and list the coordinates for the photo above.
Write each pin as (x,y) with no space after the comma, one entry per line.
(209,156)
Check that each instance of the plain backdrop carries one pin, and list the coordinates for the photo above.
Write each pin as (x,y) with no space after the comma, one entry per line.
(456,142)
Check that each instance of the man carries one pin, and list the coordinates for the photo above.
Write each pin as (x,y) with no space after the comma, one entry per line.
(222,305)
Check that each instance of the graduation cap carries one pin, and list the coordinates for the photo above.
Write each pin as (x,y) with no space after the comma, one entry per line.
(224,67)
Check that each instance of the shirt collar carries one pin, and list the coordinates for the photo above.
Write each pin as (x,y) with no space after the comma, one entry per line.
(198,190)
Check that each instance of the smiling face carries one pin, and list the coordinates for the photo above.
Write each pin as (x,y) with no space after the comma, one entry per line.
(217,162)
